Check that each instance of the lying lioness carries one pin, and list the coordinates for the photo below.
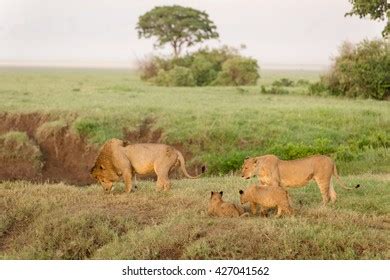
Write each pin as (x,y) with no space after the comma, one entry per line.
(272,171)
(116,159)
(267,197)
(218,207)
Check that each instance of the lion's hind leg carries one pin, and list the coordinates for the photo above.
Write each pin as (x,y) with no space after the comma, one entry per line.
(332,193)
(324,185)
(162,171)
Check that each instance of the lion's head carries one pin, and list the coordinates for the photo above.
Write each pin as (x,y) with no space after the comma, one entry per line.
(105,176)
(249,168)
(216,197)
(243,197)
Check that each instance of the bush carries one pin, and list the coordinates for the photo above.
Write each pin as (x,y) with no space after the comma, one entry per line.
(289,151)
(178,76)
(274,90)
(361,70)
(284,82)
(317,88)
(203,70)
(278,91)
(302,82)
(223,66)
(238,71)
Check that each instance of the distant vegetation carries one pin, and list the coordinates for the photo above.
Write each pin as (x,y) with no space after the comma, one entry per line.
(181,27)
(361,70)
(205,67)
(176,26)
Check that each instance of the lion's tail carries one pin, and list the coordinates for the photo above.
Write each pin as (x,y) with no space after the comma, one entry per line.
(342,184)
(183,166)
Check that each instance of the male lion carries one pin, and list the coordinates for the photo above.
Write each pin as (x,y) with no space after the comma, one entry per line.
(218,207)
(272,171)
(267,197)
(116,159)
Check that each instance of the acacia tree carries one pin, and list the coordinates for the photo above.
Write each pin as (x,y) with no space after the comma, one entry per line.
(176,25)
(375,9)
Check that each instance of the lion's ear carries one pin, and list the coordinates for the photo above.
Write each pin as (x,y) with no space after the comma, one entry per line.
(125,143)
(247,157)
(221,193)
(92,169)
(255,160)
(212,193)
(102,167)
(241,191)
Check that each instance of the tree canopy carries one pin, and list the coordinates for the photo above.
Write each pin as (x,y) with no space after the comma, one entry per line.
(375,9)
(177,26)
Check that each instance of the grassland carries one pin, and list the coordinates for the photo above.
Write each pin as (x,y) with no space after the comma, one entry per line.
(58,221)
(218,126)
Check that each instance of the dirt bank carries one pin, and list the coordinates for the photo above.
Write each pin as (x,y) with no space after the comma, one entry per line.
(41,147)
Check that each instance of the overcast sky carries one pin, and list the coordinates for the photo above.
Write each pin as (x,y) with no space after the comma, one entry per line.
(102,32)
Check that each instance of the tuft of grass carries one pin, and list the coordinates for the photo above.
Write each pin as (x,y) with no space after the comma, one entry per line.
(17,137)
(57,221)
(50,128)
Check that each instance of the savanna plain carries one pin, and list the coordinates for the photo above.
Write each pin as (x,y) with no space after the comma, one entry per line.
(52,122)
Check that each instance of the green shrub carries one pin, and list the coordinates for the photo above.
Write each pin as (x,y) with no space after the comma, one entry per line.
(229,162)
(203,70)
(294,150)
(302,82)
(178,76)
(284,82)
(274,90)
(361,70)
(317,88)
(278,90)
(223,66)
(238,71)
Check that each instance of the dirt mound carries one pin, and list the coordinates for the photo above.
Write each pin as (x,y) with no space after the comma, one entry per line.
(67,156)
(45,149)
(22,122)
(20,157)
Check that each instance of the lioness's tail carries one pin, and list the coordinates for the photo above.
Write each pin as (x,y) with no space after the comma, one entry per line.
(183,166)
(342,184)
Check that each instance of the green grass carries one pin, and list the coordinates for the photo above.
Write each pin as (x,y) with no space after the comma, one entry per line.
(220,126)
(57,221)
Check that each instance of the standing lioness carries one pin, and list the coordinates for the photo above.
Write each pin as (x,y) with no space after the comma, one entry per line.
(116,159)
(272,171)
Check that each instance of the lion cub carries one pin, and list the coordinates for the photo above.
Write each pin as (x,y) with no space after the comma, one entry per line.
(218,207)
(267,197)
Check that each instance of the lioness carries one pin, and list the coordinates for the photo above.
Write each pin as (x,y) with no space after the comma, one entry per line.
(218,207)
(272,171)
(116,159)
(267,197)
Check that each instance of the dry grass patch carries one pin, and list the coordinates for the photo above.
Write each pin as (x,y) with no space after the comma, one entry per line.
(58,221)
